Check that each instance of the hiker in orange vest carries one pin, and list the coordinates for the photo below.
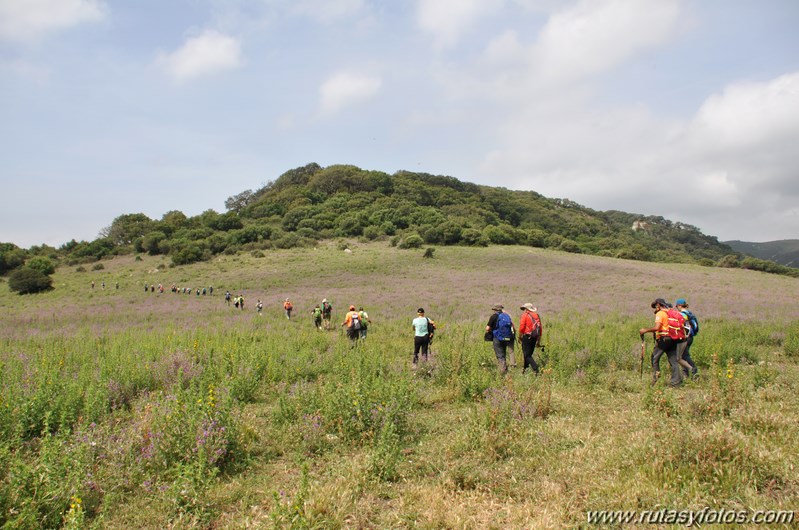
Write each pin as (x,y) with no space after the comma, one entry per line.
(287,307)
(663,343)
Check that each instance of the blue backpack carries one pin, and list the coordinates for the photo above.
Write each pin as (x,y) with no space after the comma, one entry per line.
(691,322)
(503,329)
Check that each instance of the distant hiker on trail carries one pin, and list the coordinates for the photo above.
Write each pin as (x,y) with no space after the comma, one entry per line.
(317,317)
(666,340)
(146,287)
(500,326)
(211,291)
(691,329)
(352,323)
(530,333)
(236,301)
(287,307)
(421,336)
(241,302)
(365,321)
(92,284)
(227,297)
(204,291)
(102,285)
(259,307)
(327,312)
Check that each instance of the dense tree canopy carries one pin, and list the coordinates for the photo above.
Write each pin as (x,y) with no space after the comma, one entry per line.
(312,203)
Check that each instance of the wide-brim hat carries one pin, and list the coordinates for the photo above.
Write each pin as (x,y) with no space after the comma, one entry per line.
(497,307)
(529,307)
(659,301)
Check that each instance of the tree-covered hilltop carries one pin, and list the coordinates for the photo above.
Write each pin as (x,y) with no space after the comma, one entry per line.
(311,203)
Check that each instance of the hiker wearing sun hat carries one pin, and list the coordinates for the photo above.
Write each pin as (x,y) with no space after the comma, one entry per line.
(500,327)
(530,331)
(663,343)
(691,329)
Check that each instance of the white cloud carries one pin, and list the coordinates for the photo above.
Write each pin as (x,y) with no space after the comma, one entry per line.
(345,89)
(446,20)
(737,152)
(25,20)
(750,115)
(206,54)
(596,35)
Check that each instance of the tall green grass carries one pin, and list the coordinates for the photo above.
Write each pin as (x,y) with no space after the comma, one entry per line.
(121,409)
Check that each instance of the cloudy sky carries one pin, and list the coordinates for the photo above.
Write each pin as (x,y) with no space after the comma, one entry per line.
(687,109)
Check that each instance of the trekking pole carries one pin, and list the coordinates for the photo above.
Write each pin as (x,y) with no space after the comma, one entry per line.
(643,350)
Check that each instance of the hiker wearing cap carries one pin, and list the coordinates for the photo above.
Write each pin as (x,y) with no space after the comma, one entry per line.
(663,343)
(421,337)
(352,323)
(530,331)
(327,311)
(691,329)
(500,326)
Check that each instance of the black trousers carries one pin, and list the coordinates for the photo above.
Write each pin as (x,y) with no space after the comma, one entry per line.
(528,348)
(420,344)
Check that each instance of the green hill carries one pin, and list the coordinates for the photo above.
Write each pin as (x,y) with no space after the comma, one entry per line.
(310,204)
(784,251)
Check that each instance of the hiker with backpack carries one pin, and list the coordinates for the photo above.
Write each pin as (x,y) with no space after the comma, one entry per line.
(288,307)
(668,332)
(352,323)
(691,329)
(317,317)
(327,312)
(530,333)
(365,321)
(499,331)
(423,329)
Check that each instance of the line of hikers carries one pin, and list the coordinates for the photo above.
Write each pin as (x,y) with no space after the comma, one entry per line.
(175,289)
(674,331)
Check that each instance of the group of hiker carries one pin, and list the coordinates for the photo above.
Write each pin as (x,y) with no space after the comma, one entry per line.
(160,289)
(502,335)
(674,331)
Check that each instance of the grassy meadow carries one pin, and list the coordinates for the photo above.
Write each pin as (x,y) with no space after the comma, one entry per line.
(126,409)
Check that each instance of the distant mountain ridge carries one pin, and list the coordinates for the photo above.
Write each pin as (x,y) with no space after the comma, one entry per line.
(784,251)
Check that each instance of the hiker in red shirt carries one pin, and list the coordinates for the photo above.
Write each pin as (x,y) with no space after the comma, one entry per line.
(530,332)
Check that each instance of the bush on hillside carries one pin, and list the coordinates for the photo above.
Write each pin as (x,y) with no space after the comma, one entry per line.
(411,241)
(25,280)
(42,264)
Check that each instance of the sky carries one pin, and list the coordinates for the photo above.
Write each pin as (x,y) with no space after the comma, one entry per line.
(686,109)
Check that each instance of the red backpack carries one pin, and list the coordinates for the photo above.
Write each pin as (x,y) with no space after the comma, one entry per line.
(676,324)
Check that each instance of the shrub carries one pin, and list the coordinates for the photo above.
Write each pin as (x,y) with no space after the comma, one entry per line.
(81,268)
(25,280)
(730,261)
(473,238)
(411,241)
(98,267)
(42,264)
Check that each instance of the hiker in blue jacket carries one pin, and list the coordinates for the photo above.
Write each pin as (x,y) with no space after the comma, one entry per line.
(500,326)
(691,329)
